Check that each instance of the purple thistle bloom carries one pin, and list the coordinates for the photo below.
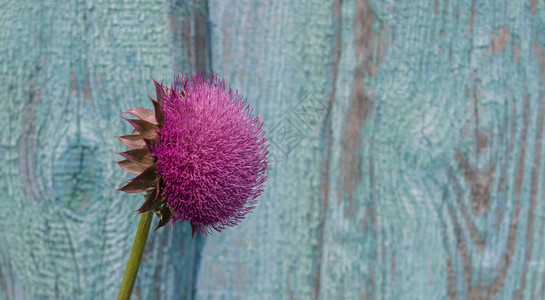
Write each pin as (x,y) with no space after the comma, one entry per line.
(209,154)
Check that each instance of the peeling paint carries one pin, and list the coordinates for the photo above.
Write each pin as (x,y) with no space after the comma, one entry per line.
(367,42)
(499,42)
(516,51)
(471,18)
(533,5)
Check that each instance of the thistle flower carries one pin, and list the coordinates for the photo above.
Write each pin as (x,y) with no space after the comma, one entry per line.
(200,155)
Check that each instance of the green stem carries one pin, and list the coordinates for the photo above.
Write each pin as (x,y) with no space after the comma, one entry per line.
(136,255)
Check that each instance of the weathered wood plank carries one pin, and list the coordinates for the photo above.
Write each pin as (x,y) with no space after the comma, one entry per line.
(451,104)
(276,53)
(68,70)
(406,141)
(424,177)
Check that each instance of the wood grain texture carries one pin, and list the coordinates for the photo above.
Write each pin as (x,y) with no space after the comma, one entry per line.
(68,70)
(407,156)
(423,176)
(276,254)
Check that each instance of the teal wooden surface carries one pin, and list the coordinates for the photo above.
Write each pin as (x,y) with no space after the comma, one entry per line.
(407,156)
(69,69)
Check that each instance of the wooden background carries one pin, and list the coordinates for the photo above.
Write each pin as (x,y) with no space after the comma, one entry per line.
(407,156)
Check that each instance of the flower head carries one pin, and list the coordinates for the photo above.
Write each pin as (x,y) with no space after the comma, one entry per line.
(201,155)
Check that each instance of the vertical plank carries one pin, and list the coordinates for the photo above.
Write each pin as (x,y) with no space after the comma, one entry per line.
(406,146)
(437,189)
(171,263)
(426,169)
(277,54)
(489,211)
(355,260)
(69,69)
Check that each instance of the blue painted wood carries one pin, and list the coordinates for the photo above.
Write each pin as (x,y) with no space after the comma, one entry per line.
(423,176)
(68,70)
(407,157)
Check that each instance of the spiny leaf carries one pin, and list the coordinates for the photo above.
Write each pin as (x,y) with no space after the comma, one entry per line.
(133,141)
(143,114)
(158,90)
(164,215)
(153,201)
(150,144)
(139,156)
(131,167)
(159,116)
(141,183)
(135,187)
(194,229)
(146,129)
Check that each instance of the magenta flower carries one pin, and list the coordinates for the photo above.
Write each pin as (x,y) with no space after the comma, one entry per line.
(201,155)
